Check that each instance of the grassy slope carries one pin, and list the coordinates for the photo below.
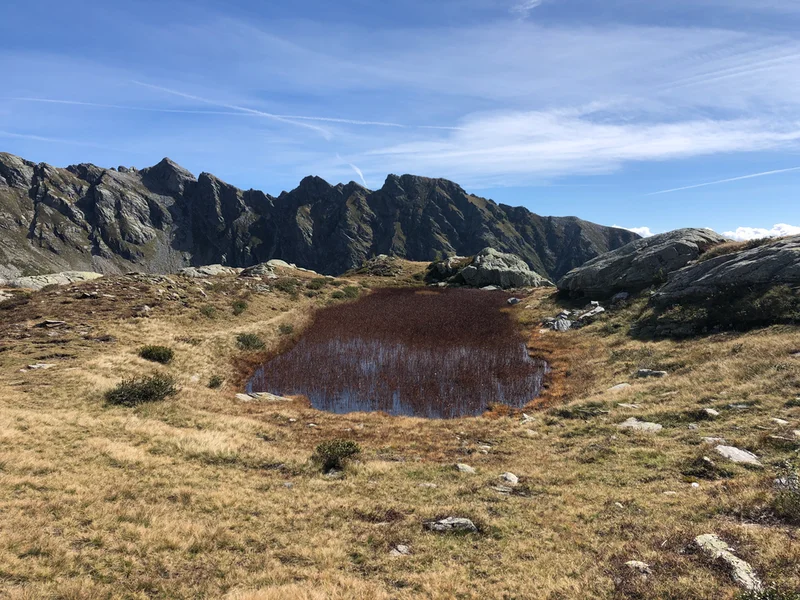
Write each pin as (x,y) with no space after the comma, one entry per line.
(188,498)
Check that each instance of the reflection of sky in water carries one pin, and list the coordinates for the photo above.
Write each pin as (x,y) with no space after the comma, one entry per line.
(357,374)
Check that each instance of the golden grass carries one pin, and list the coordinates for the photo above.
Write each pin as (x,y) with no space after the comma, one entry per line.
(191,498)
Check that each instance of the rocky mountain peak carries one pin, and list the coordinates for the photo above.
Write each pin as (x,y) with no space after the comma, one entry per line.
(168,176)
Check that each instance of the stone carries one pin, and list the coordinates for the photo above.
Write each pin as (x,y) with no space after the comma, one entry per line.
(710,413)
(670,493)
(780,422)
(526,418)
(619,387)
(797,433)
(639,566)
(629,406)
(464,468)
(510,478)
(619,297)
(400,550)
(503,489)
(37,282)
(639,264)
(428,486)
(643,426)
(513,301)
(592,314)
(260,270)
(208,271)
(490,288)
(492,267)
(742,573)
(267,397)
(562,325)
(650,373)
(695,485)
(52,324)
(714,441)
(451,524)
(737,455)
(40,367)
(693,426)
(772,264)
(280,264)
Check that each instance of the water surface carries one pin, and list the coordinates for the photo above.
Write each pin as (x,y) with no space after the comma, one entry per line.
(434,354)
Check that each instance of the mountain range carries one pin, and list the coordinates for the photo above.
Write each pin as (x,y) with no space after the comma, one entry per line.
(163,218)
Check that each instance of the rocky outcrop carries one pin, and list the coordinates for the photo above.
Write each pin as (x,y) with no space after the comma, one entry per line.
(163,218)
(639,264)
(37,282)
(487,268)
(772,264)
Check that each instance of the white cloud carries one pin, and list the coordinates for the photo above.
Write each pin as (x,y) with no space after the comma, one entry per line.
(754,233)
(524,7)
(642,231)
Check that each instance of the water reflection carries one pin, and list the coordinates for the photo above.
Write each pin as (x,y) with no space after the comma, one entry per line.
(357,357)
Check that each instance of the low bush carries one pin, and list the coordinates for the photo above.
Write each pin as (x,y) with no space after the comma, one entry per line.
(215,382)
(14,302)
(239,306)
(786,504)
(317,284)
(286,329)
(702,467)
(333,454)
(208,311)
(159,354)
(249,342)
(287,285)
(581,411)
(141,390)
(731,247)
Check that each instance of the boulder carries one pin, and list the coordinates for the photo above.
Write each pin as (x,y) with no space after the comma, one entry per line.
(775,263)
(650,373)
(37,282)
(451,524)
(491,267)
(208,271)
(510,478)
(742,573)
(738,456)
(636,425)
(639,264)
(463,468)
(260,270)
(619,387)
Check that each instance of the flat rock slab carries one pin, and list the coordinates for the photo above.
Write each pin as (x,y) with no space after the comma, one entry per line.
(738,455)
(261,397)
(619,387)
(639,566)
(643,426)
(743,574)
(780,422)
(650,373)
(451,524)
(629,406)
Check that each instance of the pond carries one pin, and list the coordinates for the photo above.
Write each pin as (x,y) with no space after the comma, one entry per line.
(435,354)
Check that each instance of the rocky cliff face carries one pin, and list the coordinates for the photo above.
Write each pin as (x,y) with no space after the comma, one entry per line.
(163,218)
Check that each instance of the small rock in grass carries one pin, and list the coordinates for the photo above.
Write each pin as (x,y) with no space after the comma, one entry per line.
(639,567)
(526,418)
(743,574)
(503,489)
(463,468)
(650,373)
(513,301)
(428,486)
(695,485)
(510,478)
(737,455)
(711,413)
(619,387)
(629,406)
(714,440)
(619,505)
(451,524)
(797,433)
(693,426)
(637,425)
(288,485)
(780,422)
(40,366)
(670,493)
(400,550)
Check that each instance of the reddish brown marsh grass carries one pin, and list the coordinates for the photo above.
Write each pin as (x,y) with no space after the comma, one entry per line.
(434,354)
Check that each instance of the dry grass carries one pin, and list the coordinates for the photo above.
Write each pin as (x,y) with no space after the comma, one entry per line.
(188,498)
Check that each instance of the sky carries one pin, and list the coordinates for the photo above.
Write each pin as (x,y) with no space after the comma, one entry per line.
(645,115)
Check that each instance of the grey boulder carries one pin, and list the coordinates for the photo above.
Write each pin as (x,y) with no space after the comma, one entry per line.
(741,571)
(37,282)
(451,524)
(775,263)
(491,267)
(639,264)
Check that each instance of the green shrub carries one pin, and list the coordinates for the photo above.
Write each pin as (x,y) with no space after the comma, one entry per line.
(239,307)
(770,593)
(351,291)
(286,329)
(215,382)
(581,411)
(317,284)
(159,354)
(338,295)
(334,453)
(208,311)
(249,342)
(703,467)
(287,285)
(140,390)
(786,504)
(15,301)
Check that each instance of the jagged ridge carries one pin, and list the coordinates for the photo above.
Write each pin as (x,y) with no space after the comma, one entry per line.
(163,218)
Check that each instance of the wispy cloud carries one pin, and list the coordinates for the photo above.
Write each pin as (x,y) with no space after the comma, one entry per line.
(524,7)
(324,132)
(729,180)
(754,233)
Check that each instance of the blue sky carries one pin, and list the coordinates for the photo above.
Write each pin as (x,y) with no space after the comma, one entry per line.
(567,107)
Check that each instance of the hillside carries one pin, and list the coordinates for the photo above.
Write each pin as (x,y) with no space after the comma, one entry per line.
(162,218)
